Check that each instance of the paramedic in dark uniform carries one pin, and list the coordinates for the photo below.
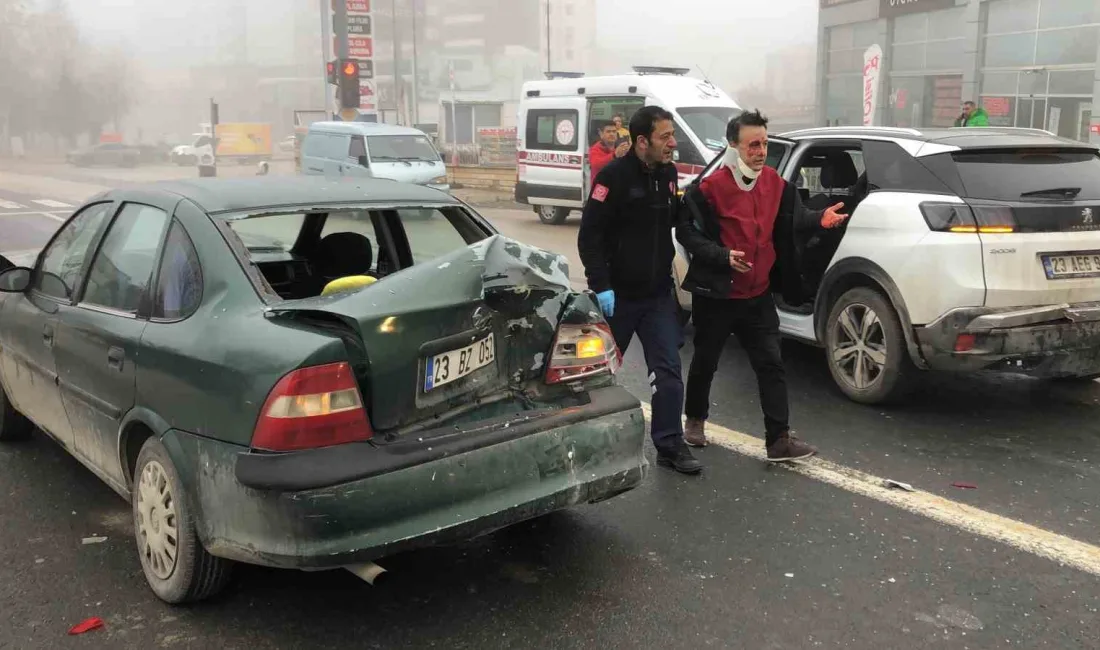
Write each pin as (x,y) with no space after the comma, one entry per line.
(625,243)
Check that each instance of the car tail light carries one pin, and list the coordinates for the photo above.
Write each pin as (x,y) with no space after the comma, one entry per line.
(313,407)
(582,351)
(965,342)
(962,218)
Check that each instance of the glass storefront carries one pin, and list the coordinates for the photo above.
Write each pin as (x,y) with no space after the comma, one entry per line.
(925,69)
(1038,64)
(844,70)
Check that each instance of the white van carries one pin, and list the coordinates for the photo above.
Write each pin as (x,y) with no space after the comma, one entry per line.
(369,149)
(559,121)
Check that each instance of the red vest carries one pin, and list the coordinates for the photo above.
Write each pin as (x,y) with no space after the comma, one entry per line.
(747,220)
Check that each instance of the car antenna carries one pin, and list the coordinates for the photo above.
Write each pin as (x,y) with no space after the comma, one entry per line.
(705,77)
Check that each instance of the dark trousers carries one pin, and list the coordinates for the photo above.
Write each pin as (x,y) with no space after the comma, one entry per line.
(655,322)
(755,322)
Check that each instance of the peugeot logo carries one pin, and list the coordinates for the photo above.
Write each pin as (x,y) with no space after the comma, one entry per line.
(1086,216)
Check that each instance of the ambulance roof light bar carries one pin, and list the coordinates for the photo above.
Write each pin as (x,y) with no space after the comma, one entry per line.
(553,74)
(656,69)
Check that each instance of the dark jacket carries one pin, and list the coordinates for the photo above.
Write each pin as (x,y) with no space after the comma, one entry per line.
(625,239)
(710,274)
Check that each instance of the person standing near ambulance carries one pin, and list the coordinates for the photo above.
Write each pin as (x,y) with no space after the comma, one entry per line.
(734,221)
(605,149)
(625,244)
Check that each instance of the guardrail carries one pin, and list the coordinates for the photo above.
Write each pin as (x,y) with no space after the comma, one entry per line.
(494,147)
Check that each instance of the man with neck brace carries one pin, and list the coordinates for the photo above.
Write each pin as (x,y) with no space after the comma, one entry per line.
(737,218)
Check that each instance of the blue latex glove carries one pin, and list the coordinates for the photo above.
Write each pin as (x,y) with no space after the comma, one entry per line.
(607,302)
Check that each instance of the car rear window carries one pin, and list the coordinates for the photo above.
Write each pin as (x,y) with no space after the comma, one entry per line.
(1022,174)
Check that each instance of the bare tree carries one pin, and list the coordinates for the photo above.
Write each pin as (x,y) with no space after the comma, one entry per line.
(55,82)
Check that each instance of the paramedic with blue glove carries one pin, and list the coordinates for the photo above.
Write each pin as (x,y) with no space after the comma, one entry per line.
(625,244)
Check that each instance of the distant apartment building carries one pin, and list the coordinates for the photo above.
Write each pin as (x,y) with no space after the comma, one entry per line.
(570,42)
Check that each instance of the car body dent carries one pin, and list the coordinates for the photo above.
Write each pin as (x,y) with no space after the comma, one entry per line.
(435,303)
(453,497)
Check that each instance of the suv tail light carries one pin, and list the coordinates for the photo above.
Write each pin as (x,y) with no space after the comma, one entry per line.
(313,407)
(582,351)
(963,218)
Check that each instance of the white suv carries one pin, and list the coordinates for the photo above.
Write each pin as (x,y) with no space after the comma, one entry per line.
(967,249)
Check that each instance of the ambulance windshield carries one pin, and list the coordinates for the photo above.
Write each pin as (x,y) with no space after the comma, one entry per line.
(709,123)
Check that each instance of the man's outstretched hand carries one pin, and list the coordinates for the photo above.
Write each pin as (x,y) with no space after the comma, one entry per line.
(833,217)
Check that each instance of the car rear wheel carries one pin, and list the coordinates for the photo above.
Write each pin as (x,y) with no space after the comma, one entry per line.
(552,214)
(176,566)
(866,349)
(13,426)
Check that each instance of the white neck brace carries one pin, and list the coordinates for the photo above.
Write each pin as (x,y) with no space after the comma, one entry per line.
(733,161)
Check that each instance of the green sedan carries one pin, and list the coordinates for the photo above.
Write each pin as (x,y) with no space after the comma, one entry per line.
(307,373)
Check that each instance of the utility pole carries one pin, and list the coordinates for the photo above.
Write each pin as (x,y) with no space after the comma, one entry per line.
(396,67)
(326,38)
(548,68)
(416,76)
(340,24)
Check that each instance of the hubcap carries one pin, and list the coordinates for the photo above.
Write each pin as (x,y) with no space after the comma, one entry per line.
(158,540)
(859,346)
(547,211)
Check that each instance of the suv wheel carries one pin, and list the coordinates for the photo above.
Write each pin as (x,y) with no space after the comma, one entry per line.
(866,349)
(552,214)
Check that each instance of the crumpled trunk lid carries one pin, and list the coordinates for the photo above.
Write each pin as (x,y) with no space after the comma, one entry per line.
(488,312)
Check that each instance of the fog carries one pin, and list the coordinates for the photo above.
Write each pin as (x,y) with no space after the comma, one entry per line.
(262,59)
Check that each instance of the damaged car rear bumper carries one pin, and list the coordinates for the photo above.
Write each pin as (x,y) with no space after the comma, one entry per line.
(1052,341)
(333,507)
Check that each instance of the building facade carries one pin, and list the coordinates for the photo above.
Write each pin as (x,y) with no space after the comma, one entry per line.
(1028,63)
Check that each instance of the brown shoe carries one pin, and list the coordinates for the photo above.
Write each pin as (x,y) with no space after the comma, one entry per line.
(695,433)
(789,448)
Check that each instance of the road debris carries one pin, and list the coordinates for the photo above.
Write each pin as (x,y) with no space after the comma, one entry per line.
(891,483)
(965,486)
(88,625)
(93,540)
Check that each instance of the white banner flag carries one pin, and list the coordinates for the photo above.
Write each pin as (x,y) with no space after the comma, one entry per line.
(872,69)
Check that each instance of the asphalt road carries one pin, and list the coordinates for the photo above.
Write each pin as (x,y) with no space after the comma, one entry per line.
(741,556)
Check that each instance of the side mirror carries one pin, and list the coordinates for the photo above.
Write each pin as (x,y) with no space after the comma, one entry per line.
(443,156)
(15,280)
(363,161)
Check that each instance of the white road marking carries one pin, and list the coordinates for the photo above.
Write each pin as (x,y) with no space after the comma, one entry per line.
(53,215)
(11,205)
(49,213)
(1024,537)
(50,203)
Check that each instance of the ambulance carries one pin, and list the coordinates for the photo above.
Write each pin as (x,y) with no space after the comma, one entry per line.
(560,118)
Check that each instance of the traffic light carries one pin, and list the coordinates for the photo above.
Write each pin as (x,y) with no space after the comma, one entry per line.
(331,68)
(349,83)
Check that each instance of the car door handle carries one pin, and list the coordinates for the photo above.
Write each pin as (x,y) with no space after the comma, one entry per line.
(115,357)
(47,335)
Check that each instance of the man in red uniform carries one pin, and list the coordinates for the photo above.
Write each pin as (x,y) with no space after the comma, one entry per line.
(730,231)
(604,150)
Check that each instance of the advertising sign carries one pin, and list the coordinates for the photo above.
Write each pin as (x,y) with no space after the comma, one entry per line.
(891,8)
(358,6)
(872,70)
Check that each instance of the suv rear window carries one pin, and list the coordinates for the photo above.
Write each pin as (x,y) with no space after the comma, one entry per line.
(1015,174)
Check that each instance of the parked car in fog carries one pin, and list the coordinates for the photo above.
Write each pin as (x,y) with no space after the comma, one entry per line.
(114,154)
